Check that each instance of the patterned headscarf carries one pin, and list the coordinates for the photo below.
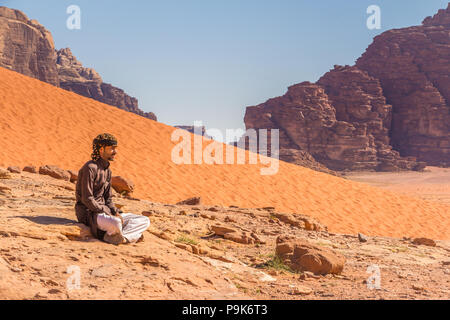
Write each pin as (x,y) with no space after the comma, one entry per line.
(102,140)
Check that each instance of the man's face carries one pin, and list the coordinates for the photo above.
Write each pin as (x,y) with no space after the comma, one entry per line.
(108,153)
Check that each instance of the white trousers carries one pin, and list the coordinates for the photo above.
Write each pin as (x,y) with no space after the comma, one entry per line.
(133,225)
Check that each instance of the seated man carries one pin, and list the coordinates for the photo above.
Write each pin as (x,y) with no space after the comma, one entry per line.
(94,206)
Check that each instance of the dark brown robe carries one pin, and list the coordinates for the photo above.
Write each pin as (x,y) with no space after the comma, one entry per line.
(94,195)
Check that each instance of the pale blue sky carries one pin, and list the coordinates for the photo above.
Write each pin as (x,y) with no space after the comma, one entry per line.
(207,60)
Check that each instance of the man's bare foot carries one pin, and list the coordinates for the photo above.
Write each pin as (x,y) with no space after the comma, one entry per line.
(141,239)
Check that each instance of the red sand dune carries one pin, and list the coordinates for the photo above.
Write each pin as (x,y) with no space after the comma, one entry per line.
(41,124)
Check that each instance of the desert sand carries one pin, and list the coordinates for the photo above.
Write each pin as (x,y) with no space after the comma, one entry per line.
(182,257)
(41,124)
(432,184)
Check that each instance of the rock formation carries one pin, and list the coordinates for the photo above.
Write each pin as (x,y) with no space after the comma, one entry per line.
(389,112)
(413,67)
(28,48)
(308,121)
(358,99)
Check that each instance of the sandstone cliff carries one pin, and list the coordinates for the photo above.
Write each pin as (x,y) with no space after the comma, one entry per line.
(389,112)
(28,48)
(413,67)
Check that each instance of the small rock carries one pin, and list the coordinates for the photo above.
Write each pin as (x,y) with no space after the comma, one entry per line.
(30,169)
(73,176)
(54,291)
(418,287)
(229,219)
(54,172)
(14,169)
(308,274)
(153,262)
(301,290)
(221,230)
(190,202)
(4,174)
(208,216)
(362,237)
(425,242)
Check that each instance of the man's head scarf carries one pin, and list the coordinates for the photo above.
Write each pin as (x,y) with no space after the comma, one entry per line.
(102,140)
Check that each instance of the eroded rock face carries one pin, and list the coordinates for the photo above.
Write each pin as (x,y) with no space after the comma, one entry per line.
(413,67)
(358,99)
(308,121)
(389,112)
(27,47)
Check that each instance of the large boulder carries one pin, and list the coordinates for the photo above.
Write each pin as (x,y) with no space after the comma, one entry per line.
(122,185)
(300,255)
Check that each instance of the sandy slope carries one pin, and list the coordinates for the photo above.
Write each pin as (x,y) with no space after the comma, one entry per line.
(41,124)
(431,184)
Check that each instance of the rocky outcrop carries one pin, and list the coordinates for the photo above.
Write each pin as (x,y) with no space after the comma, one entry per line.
(413,67)
(358,99)
(389,112)
(28,48)
(308,121)
(301,255)
(87,82)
